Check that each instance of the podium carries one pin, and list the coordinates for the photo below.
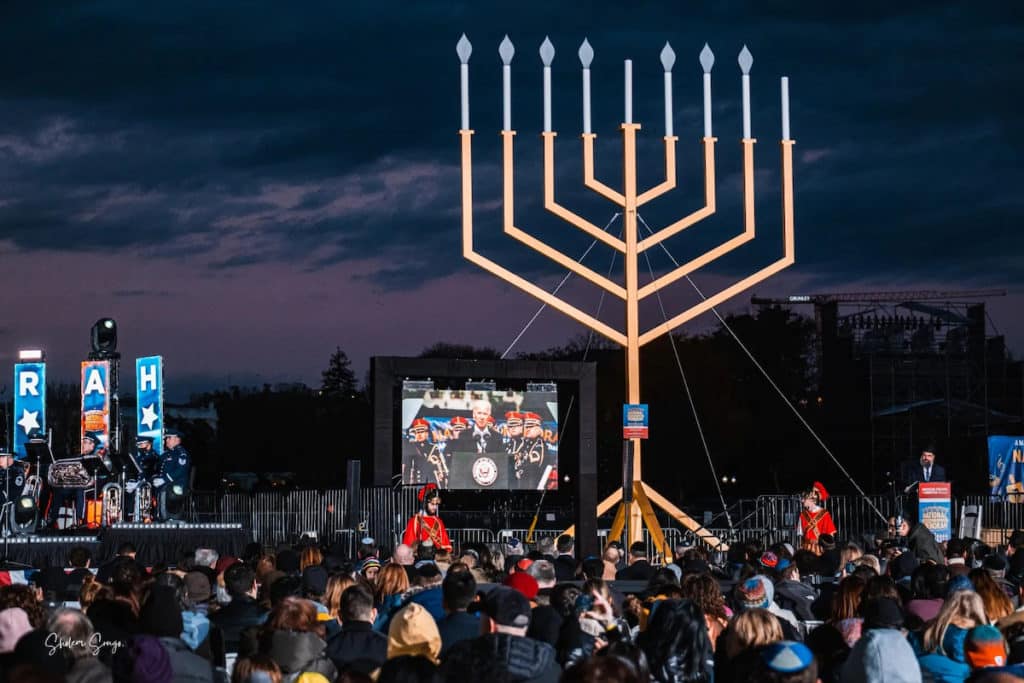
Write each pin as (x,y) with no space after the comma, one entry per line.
(480,471)
(934,508)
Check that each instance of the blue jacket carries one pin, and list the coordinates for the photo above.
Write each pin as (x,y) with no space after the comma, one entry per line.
(175,466)
(951,667)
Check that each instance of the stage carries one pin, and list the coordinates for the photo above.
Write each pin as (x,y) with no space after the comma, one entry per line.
(155,543)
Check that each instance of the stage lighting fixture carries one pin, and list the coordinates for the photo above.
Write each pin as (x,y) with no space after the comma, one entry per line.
(482,385)
(25,510)
(542,387)
(31,355)
(104,339)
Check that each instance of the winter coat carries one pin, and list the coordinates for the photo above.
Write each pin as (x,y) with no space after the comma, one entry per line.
(414,632)
(502,657)
(300,652)
(241,612)
(456,627)
(882,655)
(88,670)
(949,665)
(922,543)
(188,667)
(357,647)
(797,597)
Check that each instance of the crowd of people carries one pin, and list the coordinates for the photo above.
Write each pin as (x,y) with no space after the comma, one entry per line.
(886,611)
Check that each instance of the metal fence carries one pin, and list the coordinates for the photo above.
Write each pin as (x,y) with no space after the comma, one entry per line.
(275,516)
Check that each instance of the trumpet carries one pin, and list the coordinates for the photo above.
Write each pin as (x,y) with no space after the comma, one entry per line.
(436,458)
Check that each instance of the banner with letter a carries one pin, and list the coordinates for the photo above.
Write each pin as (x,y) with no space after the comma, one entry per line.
(1006,467)
(935,509)
(149,395)
(29,403)
(96,400)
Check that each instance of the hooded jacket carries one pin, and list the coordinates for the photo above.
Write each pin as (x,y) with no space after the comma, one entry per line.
(882,655)
(501,658)
(300,652)
(922,543)
(188,667)
(357,647)
(414,632)
(797,597)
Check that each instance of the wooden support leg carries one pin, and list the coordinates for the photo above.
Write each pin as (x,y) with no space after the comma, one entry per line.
(651,522)
(703,534)
(602,507)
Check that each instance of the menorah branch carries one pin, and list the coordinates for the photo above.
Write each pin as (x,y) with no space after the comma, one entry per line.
(698,215)
(540,247)
(565,214)
(670,174)
(789,257)
(724,248)
(501,272)
(588,174)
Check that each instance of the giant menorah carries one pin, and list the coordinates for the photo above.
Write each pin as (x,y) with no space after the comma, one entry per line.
(631,244)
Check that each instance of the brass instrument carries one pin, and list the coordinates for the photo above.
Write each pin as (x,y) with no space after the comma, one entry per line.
(112,504)
(436,458)
(143,508)
(70,473)
(33,484)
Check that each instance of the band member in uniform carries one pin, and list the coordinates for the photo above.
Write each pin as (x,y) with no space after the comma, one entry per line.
(423,460)
(58,496)
(12,478)
(175,470)
(485,437)
(426,524)
(456,443)
(814,520)
(534,450)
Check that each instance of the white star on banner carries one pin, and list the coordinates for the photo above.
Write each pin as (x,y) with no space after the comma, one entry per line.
(149,416)
(29,420)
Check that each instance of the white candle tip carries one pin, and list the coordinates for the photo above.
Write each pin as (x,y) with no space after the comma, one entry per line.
(707,59)
(746,60)
(506,51)
(586,54)
(547,52)
(464,49)
(668,57)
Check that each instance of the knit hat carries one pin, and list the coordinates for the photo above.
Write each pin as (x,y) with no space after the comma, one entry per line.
(197,587)
(787,657)
(985,646)
(369,563)
(161,615)
(13,625)
(769,560)
(149,660)
(223,563)
(959,583)
(751,594)
(524,583)
(414,632)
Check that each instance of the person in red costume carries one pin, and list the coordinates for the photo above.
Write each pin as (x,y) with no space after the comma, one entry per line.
(426,525)
(814,519)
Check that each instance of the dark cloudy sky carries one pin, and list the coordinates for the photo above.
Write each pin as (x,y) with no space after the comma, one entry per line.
(245,185)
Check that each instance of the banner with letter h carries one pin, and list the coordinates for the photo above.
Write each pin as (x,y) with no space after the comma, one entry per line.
(29,404)
(149,394)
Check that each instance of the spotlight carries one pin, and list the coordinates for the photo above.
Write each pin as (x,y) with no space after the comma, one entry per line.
(31,355)
(104,339)
(25,510)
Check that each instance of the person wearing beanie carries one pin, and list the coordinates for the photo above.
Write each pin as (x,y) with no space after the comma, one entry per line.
(414,632)
(161,618)
(759,592)
(985,647)
(943,640)
(503,652)
(524,583)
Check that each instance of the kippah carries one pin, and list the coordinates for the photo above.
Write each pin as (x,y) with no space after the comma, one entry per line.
(787,657)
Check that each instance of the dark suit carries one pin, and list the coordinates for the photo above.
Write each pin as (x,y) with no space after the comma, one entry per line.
(912,471)
(641,570)
(565,568)
(470,441)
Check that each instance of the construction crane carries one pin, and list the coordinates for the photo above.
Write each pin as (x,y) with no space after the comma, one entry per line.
(878,297)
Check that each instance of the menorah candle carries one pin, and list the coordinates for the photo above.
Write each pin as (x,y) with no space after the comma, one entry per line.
(547,53)
(668,58)
(586,55)
(746,60)
(707,60)
(629,91)
(464,49)
(505,50)
(784,84)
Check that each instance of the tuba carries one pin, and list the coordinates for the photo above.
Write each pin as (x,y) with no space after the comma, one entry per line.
(113,504)
(143,502)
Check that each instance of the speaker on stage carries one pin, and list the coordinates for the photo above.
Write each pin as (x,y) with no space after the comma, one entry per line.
(354,512)
(480,471)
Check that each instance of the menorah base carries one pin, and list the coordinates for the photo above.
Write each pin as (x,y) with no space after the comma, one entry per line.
(640,513)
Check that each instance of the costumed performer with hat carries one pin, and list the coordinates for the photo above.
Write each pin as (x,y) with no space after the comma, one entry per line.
(814,520)
(426,525)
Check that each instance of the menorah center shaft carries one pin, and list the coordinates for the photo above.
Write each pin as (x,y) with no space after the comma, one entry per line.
(629,193)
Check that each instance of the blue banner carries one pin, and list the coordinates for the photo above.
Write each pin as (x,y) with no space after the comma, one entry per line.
(635,421)
(29,403)
(1006,465)
(96,401)
(149,395)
